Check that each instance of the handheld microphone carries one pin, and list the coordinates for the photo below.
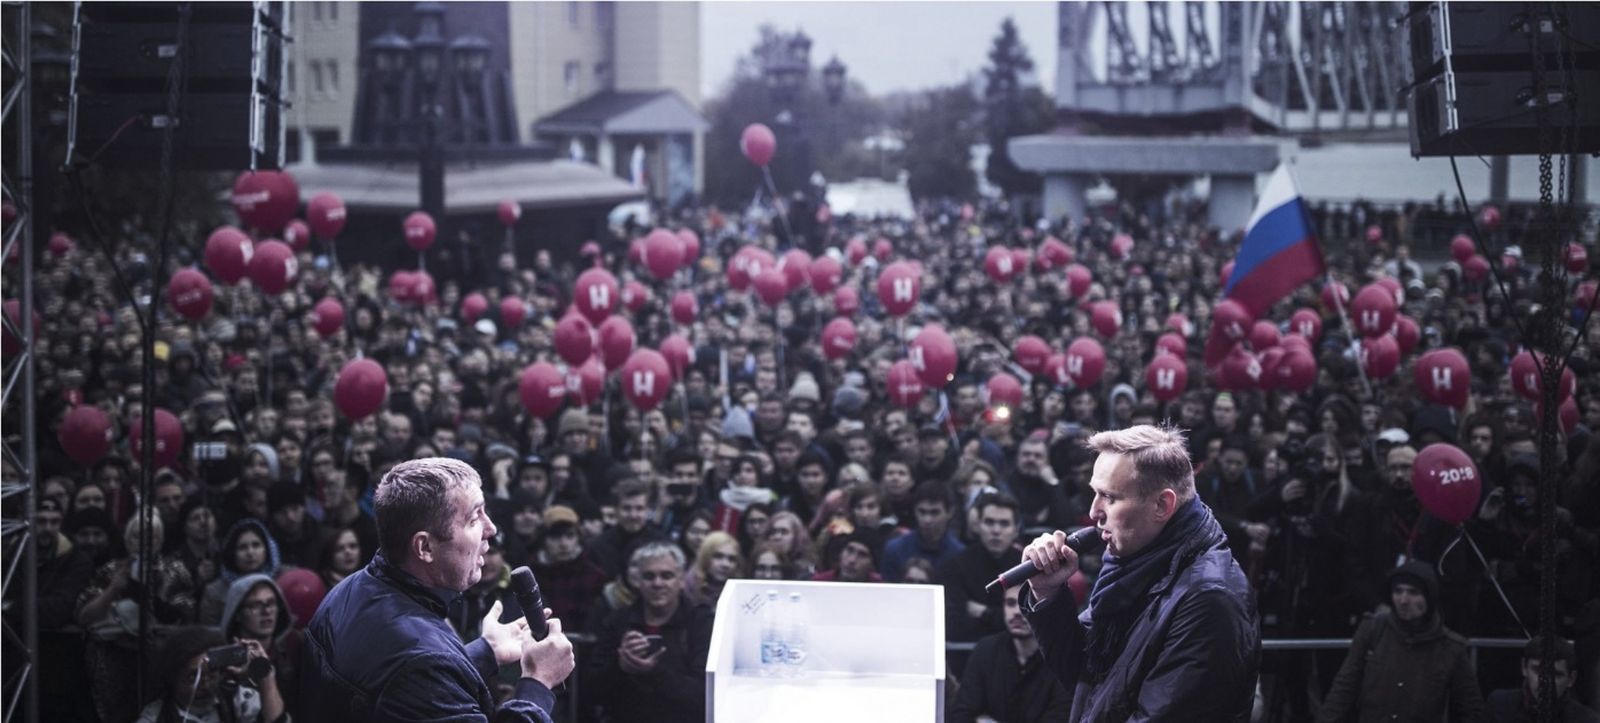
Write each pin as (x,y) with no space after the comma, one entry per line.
(1083,540)
(526,590)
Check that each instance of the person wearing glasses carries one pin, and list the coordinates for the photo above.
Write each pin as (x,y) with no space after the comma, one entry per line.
(650,658)
(257,615)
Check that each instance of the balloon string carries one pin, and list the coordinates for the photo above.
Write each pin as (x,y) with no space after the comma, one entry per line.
(1492,581)
(777,205)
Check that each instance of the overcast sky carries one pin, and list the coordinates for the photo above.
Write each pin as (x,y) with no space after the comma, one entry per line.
(887,46)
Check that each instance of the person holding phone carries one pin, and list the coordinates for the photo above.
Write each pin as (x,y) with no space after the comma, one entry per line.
(651,656)
(206,679)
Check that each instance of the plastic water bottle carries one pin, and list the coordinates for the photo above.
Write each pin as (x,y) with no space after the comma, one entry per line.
(796,636)
(772,652)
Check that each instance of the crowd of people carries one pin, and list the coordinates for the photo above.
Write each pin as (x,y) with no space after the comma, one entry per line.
(771,459)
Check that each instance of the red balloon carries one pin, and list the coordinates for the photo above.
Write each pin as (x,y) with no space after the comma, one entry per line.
(297,234)
(1566,415)
(1179,324)
(1231,320)
(8,211)
(838,338)
(1576,257)
(401,287)
(325,212)
(361,388)
(747,264)
(13,311)
(423,289)
(1269,368)
(1406,333)
(1166,377)
(1443,377)
(1106,318)
(904,385)
(1217,348)
(510,212)
(772,286)
(882,248)
(273,266)
(1078,280)
(1240,371)
(190,294)
(419,230)
(1020,258)
(1462,248)
(1510,262)
(1295,341)
(585,383)
(169,439)
(662,253)
(855,250)
(61,244)
(1380,356)
(541,389)
(1392,285)
(1374,235)
(1296,371)
(1475,268)
(303,591)
(999,264)
(472,306)
(228,253)
(684,308)
(327,317)
(1054,254)
(1031,353)
(1446,482)
(846,301)
(85,434)
(1489,218)
(573,339)
(1306,323)
(1004,390)
(679,354)
(1263,335)
(690,242)
(265,200)
(1373,311)
(1227,273)
(646,378)
(796,267)
(758,144)
(595,294)
(1121,245)
(513,311)
(933,354)
(899,286)
(1527,377)
(825,275)
(1084,362)
(1172,344)
(635,295)
(616,341)
(1334,295)
(635,252)
(1584,296)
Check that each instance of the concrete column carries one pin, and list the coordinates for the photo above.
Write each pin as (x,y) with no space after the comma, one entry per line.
(1064,196)
(1233,197)
(1499,179)
(606,154)
(1578,179)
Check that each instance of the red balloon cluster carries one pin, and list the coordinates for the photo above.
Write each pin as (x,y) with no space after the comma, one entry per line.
(1054,254)
(1121,246)
(904,384)
(616,341)
(690,241)
(1462,248)
(1380,356)
(1231,320)
(746,264)
(679,354)
(1306,323)
(1172,344)
(585,383)
(1576,257)
(574,339)
(513,311)
(635,295)
(1263,335)
(1475,268)
(1334,295)
(771,286)
(796,267)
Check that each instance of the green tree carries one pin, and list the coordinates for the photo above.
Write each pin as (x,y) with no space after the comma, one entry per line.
(833,132)
(941,129)
(1012,107)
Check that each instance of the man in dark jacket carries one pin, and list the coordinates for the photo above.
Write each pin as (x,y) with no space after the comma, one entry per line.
(1006,678)
(1521,705)
(1170,631)
(380,647)
(651,656)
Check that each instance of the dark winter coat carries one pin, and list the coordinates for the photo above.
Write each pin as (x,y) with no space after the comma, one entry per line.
(1391,675)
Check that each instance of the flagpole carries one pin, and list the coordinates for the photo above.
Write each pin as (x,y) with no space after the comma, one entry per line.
(1338,303)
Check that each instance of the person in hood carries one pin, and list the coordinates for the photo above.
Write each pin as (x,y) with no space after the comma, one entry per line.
(1404,664)
(257,612)
(248,548)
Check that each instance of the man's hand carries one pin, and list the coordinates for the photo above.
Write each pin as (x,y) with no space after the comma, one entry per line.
(506,639)
(1294,490)
(633,654)
(1056,563)
(975,609)
(1258,532)
(548,661)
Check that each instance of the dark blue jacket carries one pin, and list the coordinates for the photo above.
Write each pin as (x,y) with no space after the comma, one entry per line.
(380,648)
(1191,655)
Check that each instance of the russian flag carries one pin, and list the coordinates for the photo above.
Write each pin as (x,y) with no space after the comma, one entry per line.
(1280,249)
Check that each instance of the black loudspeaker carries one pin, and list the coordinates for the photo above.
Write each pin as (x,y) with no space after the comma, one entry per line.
(1473,68)
(232,111)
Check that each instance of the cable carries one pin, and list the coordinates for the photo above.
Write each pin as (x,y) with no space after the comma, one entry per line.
(1478,239)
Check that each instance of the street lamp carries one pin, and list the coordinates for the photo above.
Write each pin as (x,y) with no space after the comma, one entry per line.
(833,80)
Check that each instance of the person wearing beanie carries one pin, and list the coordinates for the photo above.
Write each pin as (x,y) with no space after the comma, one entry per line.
(850,558)
(568,576)
(1404,664)
(295,531)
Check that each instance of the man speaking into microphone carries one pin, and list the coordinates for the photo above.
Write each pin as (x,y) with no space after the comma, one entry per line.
(1170,630)
(380,647)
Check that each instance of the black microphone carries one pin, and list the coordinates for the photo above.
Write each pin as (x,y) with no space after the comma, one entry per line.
(1081,541)
(526,589)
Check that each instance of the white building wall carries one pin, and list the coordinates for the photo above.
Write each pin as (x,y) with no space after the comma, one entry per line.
(322,66)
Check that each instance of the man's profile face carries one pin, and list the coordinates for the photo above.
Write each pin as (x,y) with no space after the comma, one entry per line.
(1127,520)
(458,561)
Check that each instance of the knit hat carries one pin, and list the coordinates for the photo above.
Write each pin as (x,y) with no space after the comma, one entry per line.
(1422,576)
(572,420)
(805,388)
(560,514)
(736,423)
(848,401)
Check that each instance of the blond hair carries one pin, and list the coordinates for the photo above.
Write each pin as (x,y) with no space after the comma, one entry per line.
(1160,458)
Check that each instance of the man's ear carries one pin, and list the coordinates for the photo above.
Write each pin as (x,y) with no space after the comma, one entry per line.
(422,547)
(1166,504)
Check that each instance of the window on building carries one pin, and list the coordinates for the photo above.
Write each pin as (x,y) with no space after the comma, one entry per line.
(333,11)
(604,13)
(333,77)
(572,13)
(317,85)
(569,76)
(316,12)
(602,76)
